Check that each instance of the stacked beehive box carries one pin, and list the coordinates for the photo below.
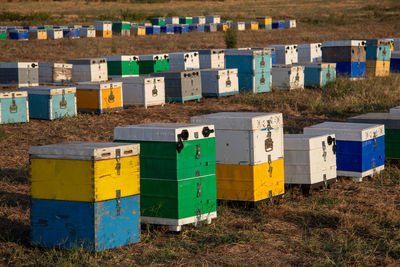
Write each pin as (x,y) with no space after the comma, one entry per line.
(143,91)
(54,34)
(288,77)
(153,29)
(177,165)
(219,82)
(285,54)
(264,22)
(103,29)
(213,19)
(88,32)
(153,63)
(55,73)
(3,34)
(395,62)
(309,53)
(239,25)
(14,107)
(212,59)
(251,25)
(181,86)
(278,24)
(199,20)
(319,74)
(360,147)
(349,56)
(289,24)
(167,29)
(211,27)
(171,20)
(38,34)
(99,97)
(51,102)
(222,27)
(85,195)
(89,69)
(18,34)
(122,66)
(184,61)
(310,160)
(158,21)
(254,69)
(121,28)
(19,74)
(185,20)
(392,129)
(249,154)
(138,31)
(71,33)
(378,58)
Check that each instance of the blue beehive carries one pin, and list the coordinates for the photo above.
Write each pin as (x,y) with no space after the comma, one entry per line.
(72,33)
(185,28)
(378,49)
(254,68)
(13,107)
(168,29)
(94,226)
(319,74)
(395,62)
(360,147)
(200,27)
(18,34)
(193,28)
(178,28)
(51,103)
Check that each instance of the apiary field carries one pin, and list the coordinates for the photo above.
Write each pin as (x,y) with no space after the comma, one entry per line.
(349,224)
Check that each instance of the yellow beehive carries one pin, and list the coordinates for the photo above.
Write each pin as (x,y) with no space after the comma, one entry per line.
(104,34)
(264,20)
(252,25)
(222,27)
(377,68)
(99,97)
(42,34)
(138,31)
(250,182)
(84,171)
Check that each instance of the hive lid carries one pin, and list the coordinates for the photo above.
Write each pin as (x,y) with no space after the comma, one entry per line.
(390,120)
(344,43)
(241,120)
(12,94)
(348,131)
(307,141)
(49,90)
(84,151)
(163,132)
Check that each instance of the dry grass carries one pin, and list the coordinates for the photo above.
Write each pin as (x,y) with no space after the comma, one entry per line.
(349,224)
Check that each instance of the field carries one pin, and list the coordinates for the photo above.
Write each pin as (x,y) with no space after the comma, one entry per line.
(349,224)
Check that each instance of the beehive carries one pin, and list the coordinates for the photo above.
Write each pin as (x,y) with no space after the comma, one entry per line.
(213,19)
(392,129)
(51,102)
(157,21)
(185,20)
(54,34)
(254,69)
(249,154)
(396,44)
(184,28)
(181,86)
(143,91)
(395,62)
(99,97)
(251,25)
(39,34)
(211,27)
(19,74)
(71,33)
(200,27)
(177,179)
(212,59)
(219,82)
(271,50)
(55,73)
(18,34)
(285,54)
(153,29)
(167,29)
(122,66)
(45,27)
(310,159)
(153,63)
(88,32)
(349,56)
(89,69)
(264,22)
(239,26)
(288,77)
(378,58)
(184,61)
(309,53)
(289,24)
(14,107)
(121,28)
(319,74)
(171,20)
(85,194)
(138,31)
(360,147)
(278,24)
(103,29)
(222,27)
(199,20)
(377,68)
(3,34)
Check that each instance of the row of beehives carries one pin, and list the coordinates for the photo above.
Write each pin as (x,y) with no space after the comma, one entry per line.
(168,25)
(88,194)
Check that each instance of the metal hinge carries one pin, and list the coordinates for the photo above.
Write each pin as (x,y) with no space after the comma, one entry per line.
(262,80)
(375,143)
(269,143)
(324,150)
(13,106)
(198,190)
(118,158)
(111,97)
(63,102)
(118,198)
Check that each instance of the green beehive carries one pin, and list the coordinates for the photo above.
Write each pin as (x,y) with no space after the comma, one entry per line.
(3,34)
(122,66)
(121,25)
(185,20)
(177,172)
(157,21)
(153,63)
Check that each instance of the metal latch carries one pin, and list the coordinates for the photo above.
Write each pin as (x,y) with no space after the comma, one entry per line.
(328,74)
(262,62)
(324,150)
(198,189)
(375,143)
(197,173)
(262,80)
(118,158)
(111,97)
(325,181)
(13,106)
(118,198)
(198,213)
(198,154)
(270,169)
(297,78)
(154,92)
(63,102)
(228,82)
(269,143)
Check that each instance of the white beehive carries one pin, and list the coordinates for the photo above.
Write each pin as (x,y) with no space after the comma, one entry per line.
(212,59)
(184,61)
(213,19)
(89,70)
(288,77)
(309,53)
(55,34)
(103,25)
(310,159)
(199,20)
(171,20)
(285,54)
(143,91)
(88,32)
(239,25)
(219,82)
(55,73)
(246,138)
